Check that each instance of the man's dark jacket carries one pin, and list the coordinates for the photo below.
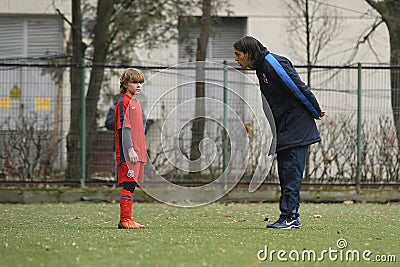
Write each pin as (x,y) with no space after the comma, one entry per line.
(293,105)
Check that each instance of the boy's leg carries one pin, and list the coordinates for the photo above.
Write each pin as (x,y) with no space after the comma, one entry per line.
(126,178)
(125,202)
(126,220)
(136,175)
(139,177)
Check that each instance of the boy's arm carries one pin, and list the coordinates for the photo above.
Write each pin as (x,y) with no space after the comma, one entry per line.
(127,145)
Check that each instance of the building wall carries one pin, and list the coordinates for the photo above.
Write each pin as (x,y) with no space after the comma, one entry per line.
(34,7)
(268,21)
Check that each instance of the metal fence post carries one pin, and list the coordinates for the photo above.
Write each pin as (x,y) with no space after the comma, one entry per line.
(83,131)
(225,138)
(359,133)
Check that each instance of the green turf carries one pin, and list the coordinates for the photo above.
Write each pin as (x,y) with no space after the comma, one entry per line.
(85,234)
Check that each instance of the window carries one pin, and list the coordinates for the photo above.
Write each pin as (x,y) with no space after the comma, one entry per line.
(226,30)
(27,89)
(30,36)
(27,37)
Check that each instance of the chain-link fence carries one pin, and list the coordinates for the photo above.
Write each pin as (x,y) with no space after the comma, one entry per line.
(35,119)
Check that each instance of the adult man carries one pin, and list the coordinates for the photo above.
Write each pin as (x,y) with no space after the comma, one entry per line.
(294,108)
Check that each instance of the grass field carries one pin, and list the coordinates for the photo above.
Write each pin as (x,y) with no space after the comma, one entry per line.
(85,234)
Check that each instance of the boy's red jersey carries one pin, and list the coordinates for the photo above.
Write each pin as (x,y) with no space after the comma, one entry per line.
(128,113)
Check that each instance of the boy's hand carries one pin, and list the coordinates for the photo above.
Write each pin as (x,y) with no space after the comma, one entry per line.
(132,155)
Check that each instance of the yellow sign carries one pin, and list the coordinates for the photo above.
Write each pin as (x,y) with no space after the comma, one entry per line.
(42,103)
(15,92)
(5,103)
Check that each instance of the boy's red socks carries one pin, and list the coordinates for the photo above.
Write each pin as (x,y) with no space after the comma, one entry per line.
(125,205)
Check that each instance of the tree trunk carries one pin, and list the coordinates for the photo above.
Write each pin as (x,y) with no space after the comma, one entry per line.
(393,23)
(73,171)
(101,46)
(199,121)
(45,160)
(308,45)
(390,10)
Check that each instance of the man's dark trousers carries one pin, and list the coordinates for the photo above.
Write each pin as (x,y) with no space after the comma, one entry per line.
(291,163)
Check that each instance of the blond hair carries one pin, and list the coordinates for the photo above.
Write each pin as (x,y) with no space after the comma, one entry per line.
(130,75)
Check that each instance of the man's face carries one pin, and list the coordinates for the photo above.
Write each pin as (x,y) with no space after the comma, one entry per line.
(242,59)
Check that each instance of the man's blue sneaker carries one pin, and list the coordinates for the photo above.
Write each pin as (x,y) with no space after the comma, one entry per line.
(285,223)
(298,222)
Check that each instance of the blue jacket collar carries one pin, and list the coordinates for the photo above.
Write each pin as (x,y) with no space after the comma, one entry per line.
(260,58)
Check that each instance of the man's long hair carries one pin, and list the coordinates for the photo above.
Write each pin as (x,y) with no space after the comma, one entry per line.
(250,46)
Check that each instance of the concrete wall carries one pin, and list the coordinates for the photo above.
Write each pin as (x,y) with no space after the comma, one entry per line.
(268,193)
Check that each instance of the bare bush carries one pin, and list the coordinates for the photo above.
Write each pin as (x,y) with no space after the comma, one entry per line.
(23,144)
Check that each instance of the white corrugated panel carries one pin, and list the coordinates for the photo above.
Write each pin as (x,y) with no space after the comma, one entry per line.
(30,36)
(226,31)
(11,37)
(44,36)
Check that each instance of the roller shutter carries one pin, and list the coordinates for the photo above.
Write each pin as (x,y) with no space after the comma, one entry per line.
(226,31)
(30,36)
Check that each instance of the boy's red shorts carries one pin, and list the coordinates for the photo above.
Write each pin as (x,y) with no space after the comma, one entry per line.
(131,172)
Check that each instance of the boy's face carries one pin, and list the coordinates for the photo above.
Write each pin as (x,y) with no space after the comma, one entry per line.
(134,88)
(242,59)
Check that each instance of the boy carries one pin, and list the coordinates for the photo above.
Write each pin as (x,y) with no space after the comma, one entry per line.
(294,108)
(130,145)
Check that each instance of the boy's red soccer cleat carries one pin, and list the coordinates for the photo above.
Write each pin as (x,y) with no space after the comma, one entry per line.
(138,224)
(126,225)
(129,224)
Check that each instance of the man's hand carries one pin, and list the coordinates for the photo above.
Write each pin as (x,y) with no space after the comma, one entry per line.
(322,114)
(132,155)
